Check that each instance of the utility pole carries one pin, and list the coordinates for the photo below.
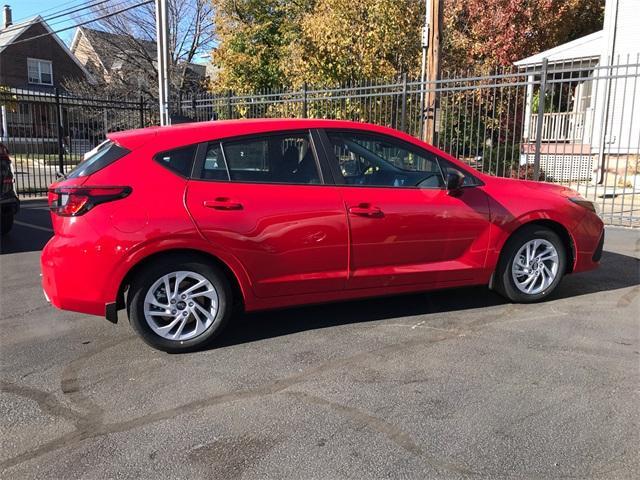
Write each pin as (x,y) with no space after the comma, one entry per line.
(162,41)
(430,68)
(423,69)
(433,70)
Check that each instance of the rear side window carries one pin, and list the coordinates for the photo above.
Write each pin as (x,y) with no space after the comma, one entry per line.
(273,159)
(214,165)
(287,158)
(104,154)
(179,160)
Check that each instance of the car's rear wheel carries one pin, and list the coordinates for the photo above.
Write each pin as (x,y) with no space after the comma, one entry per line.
(6,223)
(532,264)
(179,304)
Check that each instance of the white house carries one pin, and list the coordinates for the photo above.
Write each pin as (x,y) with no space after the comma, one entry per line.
(593,124)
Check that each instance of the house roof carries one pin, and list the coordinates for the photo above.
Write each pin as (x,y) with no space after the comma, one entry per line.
(587,47)
(109,47)
(114,50)
(11,33)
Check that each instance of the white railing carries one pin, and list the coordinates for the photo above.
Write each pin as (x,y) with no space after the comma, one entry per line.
(558,126)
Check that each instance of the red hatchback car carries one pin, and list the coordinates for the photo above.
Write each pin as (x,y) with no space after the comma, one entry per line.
(181,224)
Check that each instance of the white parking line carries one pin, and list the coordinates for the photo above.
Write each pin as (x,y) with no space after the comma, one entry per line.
(37,227)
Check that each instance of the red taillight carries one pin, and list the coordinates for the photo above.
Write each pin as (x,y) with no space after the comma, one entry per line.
(75,201)
(7,172)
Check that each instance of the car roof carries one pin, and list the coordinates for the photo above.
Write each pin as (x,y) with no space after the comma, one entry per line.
(185,134)
(190,133)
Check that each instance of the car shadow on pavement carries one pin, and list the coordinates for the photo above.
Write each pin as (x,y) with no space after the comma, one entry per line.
(31,230)
(616,271)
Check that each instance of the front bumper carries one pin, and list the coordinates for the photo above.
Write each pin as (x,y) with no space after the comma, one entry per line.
(597,255)
(589,242)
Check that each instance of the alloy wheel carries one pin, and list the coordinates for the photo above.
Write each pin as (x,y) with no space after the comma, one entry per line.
(535,266)
(181,305)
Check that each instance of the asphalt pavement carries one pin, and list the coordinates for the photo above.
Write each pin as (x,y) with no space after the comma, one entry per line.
(451,384)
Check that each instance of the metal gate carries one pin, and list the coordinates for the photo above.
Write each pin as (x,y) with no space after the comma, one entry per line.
(576,123)
(47,133)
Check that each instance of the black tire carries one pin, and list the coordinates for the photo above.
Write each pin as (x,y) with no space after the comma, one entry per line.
(504,282)
(145,279)
(6,223)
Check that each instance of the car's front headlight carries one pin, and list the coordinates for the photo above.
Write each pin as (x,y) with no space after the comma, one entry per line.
(585,204)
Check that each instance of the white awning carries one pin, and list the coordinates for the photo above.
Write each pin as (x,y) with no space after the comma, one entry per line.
(583,48)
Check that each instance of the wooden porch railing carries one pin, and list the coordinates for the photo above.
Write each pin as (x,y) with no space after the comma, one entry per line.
(558,126)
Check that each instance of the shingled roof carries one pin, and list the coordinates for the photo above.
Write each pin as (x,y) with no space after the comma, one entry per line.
(110,47)
(113,51)
(12,32)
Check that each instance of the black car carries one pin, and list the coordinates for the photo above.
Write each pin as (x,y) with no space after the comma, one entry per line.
(9,202)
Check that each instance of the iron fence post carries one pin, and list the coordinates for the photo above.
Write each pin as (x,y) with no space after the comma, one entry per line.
(540,119)
(304,100)
(229,107)
(403,111)
(141,106)
(60,133)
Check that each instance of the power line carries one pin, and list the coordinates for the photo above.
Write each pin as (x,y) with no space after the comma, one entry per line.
(111,6)
(84,23)
(52,8)
(62,13)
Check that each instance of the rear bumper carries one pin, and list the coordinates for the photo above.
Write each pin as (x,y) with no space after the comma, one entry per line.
(64,300)
(75,278)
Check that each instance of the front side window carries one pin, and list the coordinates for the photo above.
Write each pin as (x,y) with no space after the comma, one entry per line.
(372,160)
(448,167)
(39,71)
(271,159)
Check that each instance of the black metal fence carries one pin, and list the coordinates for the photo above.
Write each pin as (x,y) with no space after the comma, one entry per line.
(48,133)
(570,122)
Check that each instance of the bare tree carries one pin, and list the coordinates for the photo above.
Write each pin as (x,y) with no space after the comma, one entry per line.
(126,44)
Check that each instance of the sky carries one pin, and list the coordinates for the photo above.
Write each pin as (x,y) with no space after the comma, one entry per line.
(25,9)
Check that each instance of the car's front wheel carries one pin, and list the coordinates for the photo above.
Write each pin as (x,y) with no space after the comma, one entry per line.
(532,264)
(179,304)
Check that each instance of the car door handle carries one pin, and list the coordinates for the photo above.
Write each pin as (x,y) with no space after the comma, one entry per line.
(223,203)
(366,210)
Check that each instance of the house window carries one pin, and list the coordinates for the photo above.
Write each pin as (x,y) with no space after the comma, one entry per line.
(40,71)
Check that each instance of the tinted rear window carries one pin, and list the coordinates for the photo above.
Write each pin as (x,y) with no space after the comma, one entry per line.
(104,154)
(179,160)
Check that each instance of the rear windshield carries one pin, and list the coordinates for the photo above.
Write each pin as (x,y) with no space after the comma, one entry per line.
(104,154)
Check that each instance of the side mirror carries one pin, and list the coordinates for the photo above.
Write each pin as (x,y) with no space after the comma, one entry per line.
(455,180)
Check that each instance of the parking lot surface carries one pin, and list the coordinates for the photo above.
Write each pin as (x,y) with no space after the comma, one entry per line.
(451,384)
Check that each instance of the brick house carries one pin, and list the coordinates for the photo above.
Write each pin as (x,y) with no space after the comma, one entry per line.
(33,59)
(42,63)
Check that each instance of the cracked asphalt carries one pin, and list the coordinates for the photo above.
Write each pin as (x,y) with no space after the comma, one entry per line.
(451,384)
